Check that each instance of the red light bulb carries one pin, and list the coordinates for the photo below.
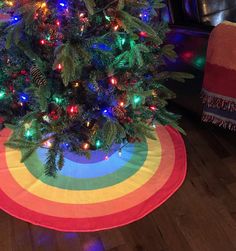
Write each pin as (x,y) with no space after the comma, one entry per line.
(143,34)
(23,72)
(42,42)
(72,110)
(153,108)
(53,115)
(59,67)
(113,81)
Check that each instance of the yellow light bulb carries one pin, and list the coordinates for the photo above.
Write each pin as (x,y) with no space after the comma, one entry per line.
(10,3)
(43,5)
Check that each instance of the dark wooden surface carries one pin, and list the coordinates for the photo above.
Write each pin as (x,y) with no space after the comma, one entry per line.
(201,216)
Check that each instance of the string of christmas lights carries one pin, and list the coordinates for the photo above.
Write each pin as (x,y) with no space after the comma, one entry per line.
(87,73)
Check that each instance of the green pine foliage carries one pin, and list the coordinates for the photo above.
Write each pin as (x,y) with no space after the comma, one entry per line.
(84,75)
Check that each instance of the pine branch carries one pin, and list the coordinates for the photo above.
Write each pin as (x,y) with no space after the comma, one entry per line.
(142,130)
(109,133)
(90,5)
(50,166)
(28,152)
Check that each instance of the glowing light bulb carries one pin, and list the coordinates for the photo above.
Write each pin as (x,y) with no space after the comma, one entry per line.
(47,144)
(46,118)
(59,67)
(143,34)
(2,94)
(72,110)
(43,5)
(42,42)
(24,97)
(86,146)
(122,104)
(137,99)
(98,143)
(29,133)
(62,4)
(15,19)
(116,27)
(48,37)
(9,3)
(82,28)
(113,81)
(58,100)
(153,108)
(82,14)
(123,40)
(105,113)
(76,84)
(107,18)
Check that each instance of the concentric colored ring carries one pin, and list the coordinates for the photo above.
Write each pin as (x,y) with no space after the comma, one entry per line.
(29,198)
(38,188)
(111,174)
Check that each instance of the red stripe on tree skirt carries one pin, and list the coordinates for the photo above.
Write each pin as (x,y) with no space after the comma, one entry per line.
(113,220)
(220,80)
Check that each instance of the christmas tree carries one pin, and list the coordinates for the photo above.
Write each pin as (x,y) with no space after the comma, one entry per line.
(81,75)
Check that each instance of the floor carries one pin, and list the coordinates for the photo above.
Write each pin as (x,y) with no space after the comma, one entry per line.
(201,216)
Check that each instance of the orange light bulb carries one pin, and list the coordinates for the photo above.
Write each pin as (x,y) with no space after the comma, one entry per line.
(86,146)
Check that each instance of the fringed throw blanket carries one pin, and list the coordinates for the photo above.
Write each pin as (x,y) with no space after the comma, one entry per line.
(219,87)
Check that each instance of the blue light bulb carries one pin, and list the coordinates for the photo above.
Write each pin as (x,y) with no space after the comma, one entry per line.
(105,113)
(15,19)
(145,15)
(63,4)
(65,146)
(24,97)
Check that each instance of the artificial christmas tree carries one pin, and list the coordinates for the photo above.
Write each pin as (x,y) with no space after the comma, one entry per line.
(83,75)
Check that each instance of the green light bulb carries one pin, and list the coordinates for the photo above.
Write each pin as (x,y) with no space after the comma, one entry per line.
(58,100)
(137,99)
(2,94)
(108,18)
(98,143)
(199,62)
(48,37)
(29,133)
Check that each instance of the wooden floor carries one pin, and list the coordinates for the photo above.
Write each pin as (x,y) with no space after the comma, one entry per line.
(201,216)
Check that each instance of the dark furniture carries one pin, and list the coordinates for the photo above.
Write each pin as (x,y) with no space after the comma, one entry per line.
(201,12)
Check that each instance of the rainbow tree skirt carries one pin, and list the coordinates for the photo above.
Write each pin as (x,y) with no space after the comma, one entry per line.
(95,194)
